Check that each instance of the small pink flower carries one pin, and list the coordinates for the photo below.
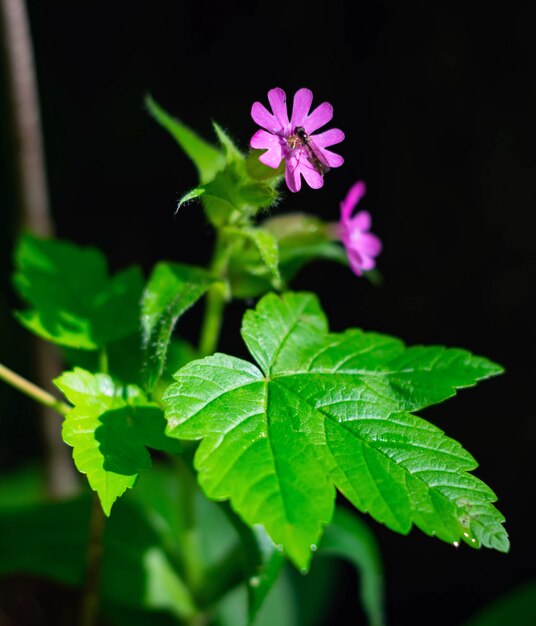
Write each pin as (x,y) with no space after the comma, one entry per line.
(281,140)
(361,245)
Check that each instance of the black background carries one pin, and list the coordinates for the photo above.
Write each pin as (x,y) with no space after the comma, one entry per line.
(438,106)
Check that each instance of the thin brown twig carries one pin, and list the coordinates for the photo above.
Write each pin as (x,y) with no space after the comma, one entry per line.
(33,202)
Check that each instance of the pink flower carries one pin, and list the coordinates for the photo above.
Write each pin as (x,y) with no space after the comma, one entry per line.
(305,154)
(361,245)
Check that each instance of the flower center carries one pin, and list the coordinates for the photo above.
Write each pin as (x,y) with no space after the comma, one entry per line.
(293,141)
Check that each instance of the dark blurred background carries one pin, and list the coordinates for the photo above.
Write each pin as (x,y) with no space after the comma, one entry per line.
(438,105)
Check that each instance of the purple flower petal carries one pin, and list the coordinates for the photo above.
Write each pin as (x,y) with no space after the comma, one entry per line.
(361,246)
(278,101)
(312,177)
(318,118)
(370,244)
(362,221)
(292,174)
(265,141)
(357,191)
(356,262)
(303,99)
(334,160)
(328,138)
(263,118)
(368,263)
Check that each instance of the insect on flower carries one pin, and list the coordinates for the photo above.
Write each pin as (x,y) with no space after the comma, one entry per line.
(314,156)
(296,140)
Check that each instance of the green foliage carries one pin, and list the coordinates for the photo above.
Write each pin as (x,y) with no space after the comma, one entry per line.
(265,245)
(232,188)
(207,159)
(73,302)
(347,537)
(171,290)
(516,607)
(109,428)
(332,410)
(300,239)
(49,539)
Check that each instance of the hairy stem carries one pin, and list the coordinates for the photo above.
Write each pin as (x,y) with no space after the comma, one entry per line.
(216,298)
(33,391)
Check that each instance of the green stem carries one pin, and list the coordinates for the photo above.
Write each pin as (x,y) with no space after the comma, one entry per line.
(89,610)
(103,360)
(216,298)
(33,391)
(189,537)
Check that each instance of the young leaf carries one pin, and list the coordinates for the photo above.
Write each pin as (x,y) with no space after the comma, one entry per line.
(349,538)
(172,289)
(331,410)
(266,245)
(207,159)
(109,428)
(232,153)
(73,302)
(197,192)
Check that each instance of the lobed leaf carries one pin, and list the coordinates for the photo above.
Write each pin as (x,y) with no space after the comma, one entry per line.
(330,410)
(73,302)
(109,429)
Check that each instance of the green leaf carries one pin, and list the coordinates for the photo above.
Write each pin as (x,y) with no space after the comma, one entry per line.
(73,302)
(232,153)
(300,239)
(50,539)
(269,563)
(125,359)
(328,410)
(349,538)
(172,289)
(259,171)
(206,158)
(197,192)
(516,607)
(266,245)
(109,429)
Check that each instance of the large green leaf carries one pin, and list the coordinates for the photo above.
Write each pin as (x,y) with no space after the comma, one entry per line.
(332,410)
(73,302)
(109,428)
(172,289)
(207,159)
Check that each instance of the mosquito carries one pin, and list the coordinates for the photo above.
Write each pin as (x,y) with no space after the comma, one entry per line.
(314,154)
